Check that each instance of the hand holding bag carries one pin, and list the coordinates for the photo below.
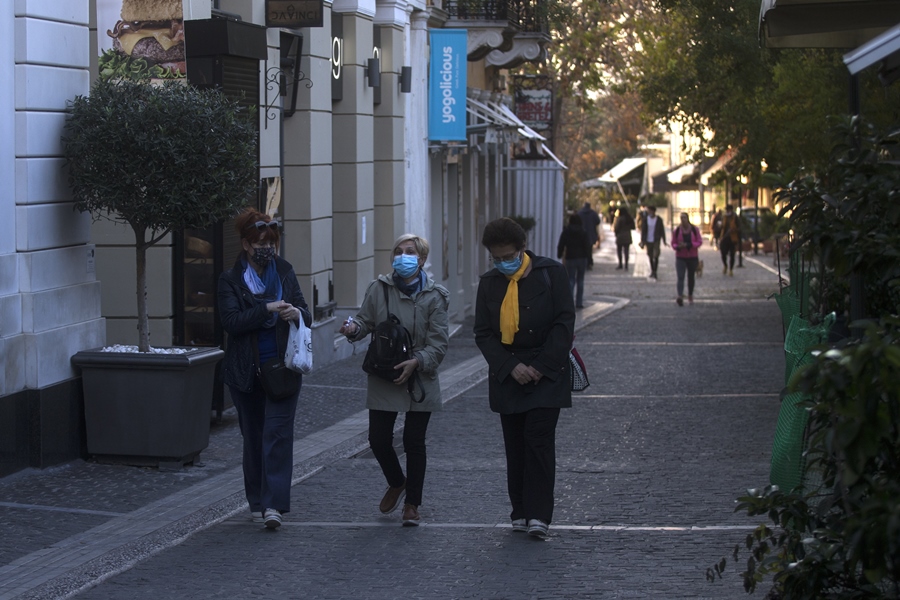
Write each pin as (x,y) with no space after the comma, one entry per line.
(391,344)
(579,377)
(298,357)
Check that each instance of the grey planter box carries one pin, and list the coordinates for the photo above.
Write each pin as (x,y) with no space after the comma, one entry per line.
(147,409)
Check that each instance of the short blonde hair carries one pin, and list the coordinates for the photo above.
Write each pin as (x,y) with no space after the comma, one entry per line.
(421,244)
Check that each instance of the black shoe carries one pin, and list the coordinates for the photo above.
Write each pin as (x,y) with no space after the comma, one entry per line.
(619,268)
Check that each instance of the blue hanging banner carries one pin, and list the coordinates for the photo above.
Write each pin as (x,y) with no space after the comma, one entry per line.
(447,85)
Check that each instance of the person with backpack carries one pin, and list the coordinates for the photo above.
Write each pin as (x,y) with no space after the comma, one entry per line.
(407,299)
(686,239)
(729,239)
(524,323)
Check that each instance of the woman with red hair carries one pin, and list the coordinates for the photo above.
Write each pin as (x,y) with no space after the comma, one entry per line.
(258,298)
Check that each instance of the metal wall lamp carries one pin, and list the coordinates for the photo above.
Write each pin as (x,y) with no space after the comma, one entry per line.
(405,80)
(372,72)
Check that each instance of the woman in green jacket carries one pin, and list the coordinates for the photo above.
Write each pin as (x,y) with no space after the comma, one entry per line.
(421,305)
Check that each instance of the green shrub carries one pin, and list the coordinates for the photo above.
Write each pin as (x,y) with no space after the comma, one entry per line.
(841,538)
(159,157)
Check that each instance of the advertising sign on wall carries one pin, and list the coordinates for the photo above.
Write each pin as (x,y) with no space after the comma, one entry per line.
(294,13)
(535,108)
(139,39)
(447,85)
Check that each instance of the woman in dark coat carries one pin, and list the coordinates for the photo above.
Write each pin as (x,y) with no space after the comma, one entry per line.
(575,249)
(524,322)
(257,299)
(623,225)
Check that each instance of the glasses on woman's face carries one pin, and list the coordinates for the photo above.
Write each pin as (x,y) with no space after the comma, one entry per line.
(505,258)
(262,225)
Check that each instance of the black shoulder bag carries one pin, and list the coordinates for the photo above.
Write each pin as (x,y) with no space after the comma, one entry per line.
(277,380)
(390,345)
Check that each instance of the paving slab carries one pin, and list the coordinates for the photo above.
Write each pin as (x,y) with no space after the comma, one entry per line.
(678,421)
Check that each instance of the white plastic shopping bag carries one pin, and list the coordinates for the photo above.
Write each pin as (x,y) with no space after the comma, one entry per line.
(298,356)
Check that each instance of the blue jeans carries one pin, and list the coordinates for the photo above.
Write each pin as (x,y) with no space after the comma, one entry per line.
(268,431)
(575,267)
(689,265)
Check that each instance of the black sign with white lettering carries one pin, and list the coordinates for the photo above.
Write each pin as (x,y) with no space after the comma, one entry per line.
(337,57)
(294,13)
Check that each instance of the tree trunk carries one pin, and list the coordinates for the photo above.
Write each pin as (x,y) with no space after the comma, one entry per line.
(140,252)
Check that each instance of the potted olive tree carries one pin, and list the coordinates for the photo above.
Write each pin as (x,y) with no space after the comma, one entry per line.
(158,157)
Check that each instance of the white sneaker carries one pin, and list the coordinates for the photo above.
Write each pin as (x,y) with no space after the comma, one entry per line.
(519,525)
(272,518)
(256,516)
(538,528)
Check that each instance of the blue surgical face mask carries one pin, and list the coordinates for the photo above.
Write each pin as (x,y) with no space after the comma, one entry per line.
(508,267)
(406,265)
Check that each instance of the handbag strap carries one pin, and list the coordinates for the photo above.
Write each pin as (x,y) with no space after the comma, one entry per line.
(410,383)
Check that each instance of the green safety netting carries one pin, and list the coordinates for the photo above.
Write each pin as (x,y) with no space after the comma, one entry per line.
(788,464)
(787,451)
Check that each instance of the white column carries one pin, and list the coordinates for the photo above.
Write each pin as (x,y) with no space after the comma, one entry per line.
(418,173)
(60,297)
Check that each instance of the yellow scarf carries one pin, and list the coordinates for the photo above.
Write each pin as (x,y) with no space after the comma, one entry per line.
(509,310)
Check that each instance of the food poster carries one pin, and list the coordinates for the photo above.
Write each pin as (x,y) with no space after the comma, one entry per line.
(140,39)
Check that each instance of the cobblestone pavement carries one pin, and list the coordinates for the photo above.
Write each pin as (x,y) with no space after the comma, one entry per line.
(677,423)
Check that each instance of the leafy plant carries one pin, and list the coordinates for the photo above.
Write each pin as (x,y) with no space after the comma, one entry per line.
(770,223)
(159,158)
(847,218)
(840,539)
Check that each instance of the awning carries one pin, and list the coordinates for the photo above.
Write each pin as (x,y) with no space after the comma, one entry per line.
(824,23)
(679,178)
(884,49)
(486,115)
(616,174)
(493,115)
(711,167)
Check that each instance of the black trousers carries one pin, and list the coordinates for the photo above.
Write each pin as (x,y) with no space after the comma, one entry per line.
(622,251)
(530,441)
(727,247)
(381,440)
(653,255)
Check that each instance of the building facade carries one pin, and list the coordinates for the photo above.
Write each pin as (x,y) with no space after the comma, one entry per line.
(352,161)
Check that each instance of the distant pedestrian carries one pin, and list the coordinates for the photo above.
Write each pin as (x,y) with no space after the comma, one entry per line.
(715,227)
(421,306)
(653,232)
(729,239)
(257,299)
(611,213)
(591,221)
(641,215)
(524,323)
(686,239)
(623,225)
(573,248)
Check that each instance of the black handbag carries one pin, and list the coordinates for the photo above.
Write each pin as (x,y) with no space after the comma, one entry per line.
(278,382)
(390,345)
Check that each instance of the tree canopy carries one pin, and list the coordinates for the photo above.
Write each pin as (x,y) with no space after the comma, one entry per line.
(698,64)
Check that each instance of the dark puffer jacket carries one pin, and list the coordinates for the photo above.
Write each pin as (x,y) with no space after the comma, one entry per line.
(546,326)
(242,315)
(573,243)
